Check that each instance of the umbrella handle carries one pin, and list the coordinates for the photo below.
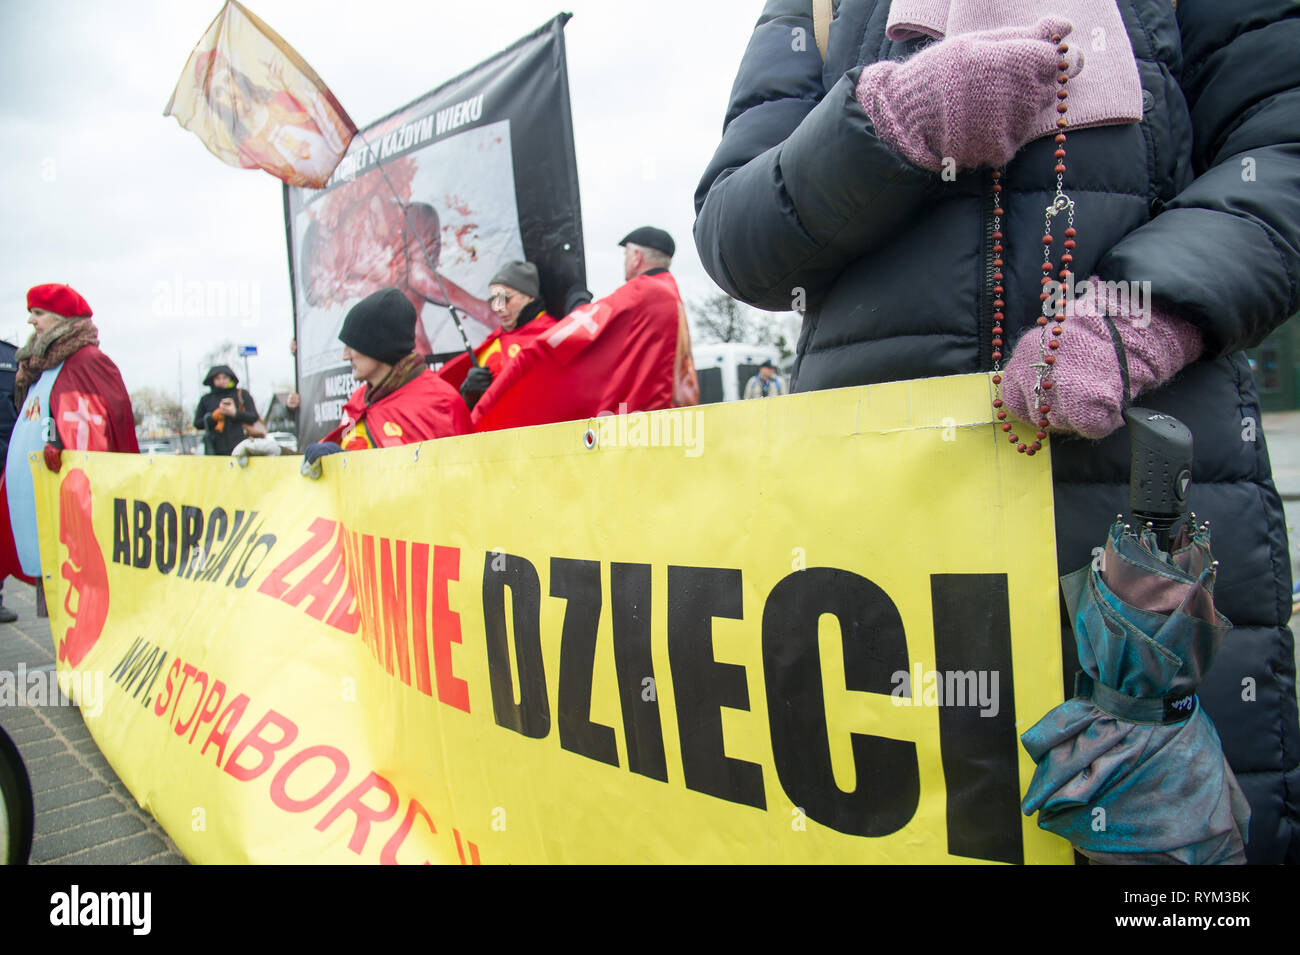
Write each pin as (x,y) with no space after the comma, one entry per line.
(1161,470)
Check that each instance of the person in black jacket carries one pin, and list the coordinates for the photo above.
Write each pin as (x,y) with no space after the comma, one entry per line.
(225,412)
(839,191)
(8,415)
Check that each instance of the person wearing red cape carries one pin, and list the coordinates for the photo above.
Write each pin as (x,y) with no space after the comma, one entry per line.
(516,298)
(69,395)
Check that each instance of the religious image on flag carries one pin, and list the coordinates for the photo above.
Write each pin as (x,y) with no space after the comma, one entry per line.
(255,103)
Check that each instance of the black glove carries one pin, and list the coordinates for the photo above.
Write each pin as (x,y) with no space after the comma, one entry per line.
(476,382)
(318,450)
(576,297)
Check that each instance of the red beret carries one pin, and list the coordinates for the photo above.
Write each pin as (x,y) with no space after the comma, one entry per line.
(59,299)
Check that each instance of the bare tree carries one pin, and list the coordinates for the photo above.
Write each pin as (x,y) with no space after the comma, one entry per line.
(155,409)
(721,318)
(227,353)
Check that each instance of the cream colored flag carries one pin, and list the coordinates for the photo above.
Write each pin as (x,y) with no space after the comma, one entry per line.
(256,103)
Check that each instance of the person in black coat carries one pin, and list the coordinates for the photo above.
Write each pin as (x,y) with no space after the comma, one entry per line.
(8,415)
(225,412)
(825,196)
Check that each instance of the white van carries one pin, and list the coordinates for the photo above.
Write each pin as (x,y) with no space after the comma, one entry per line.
(725,368)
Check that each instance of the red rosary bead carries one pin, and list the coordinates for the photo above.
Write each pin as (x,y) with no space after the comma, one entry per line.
(1065,274)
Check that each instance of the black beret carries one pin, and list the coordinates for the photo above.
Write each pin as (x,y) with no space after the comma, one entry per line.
(651,238)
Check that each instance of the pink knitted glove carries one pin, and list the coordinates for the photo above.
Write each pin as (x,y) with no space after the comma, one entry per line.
(1087,394)
(976,98)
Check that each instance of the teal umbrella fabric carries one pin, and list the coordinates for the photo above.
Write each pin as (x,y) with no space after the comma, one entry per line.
(1131,770)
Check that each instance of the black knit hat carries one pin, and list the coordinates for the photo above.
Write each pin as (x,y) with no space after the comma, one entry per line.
(520,276)
(381,326)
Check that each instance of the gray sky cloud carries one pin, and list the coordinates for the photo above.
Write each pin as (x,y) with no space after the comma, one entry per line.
(102,191)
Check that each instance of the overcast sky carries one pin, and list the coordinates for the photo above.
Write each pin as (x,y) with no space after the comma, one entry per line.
(103,192)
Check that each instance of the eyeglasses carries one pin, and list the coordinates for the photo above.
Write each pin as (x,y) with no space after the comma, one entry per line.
(501,298)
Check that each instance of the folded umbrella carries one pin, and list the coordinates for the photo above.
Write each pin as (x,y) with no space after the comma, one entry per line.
(1131,769)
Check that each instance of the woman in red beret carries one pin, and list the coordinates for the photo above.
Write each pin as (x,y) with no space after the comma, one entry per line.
(69,395)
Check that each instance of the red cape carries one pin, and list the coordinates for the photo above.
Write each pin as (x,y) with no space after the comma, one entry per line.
(618,354)
(92,412)
(9,565)
(497,351)
(90,405)
(424,408)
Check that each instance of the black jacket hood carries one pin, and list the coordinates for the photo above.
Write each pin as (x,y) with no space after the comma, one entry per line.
(217,370)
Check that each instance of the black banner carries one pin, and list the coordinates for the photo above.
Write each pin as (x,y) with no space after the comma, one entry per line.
(482,171)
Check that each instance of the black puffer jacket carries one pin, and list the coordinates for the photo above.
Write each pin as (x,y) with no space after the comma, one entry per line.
(1201,199)
(222,442)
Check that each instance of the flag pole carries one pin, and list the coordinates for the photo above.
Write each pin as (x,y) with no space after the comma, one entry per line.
(433,266)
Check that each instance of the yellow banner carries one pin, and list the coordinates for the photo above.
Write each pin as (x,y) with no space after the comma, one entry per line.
(802,629)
